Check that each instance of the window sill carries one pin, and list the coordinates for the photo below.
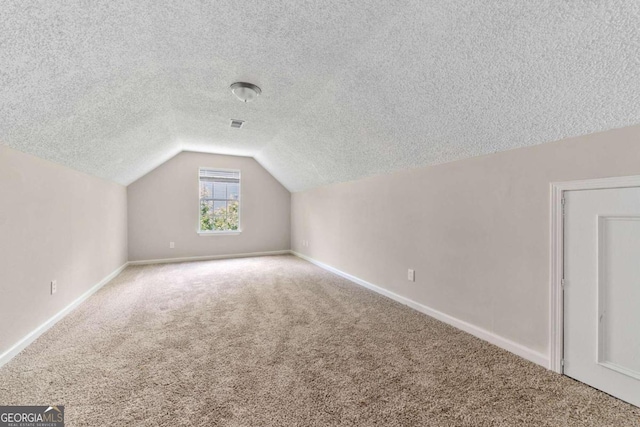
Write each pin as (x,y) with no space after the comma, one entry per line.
(219,233)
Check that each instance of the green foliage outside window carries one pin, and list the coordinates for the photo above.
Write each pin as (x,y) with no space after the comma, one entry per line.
(220,219)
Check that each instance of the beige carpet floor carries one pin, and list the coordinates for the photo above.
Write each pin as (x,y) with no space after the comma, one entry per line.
(276,341)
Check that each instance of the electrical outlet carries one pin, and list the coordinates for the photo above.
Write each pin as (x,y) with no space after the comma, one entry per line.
(54,286)
(411,275)
(172,245)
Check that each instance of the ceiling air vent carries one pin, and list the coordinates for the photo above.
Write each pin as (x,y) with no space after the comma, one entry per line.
(237,124)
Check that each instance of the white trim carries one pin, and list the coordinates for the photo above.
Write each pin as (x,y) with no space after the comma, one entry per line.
(219,233)
(599,183)
(556,308)
(513,347)
(556,338)
(33,335)
(208,257)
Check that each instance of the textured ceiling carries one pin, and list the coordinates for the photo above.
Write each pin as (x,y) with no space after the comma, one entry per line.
(350,89)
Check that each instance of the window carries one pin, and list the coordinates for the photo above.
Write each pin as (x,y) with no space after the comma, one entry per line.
(219,200)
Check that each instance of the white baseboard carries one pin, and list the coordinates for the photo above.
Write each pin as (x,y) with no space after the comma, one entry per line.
(208,257)
(33,335)
(513,347)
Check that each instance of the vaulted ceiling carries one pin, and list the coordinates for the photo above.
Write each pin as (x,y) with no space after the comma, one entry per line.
(350,89)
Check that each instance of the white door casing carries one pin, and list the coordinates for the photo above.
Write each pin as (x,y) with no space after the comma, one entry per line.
(602,289)
(556,291)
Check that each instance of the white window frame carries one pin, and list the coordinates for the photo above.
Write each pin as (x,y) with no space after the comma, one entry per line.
(221,232)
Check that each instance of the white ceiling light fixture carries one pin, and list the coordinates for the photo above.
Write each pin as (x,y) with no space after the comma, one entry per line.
(245,92)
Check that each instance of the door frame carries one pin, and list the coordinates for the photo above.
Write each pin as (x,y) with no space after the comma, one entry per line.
(556,302)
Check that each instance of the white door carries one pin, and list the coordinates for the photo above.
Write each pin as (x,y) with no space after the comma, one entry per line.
(602,290)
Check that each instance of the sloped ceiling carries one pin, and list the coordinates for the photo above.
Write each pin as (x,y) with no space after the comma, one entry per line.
(350,89)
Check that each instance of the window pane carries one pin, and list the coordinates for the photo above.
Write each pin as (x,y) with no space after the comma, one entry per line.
(206,216)
(225,217)
(233,191)
(220,221)
(220,190)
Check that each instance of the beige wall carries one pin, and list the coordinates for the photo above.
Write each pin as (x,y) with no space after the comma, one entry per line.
(55,224)
(163,208)
(476,231)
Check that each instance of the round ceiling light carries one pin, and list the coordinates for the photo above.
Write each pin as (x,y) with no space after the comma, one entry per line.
(245,92)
